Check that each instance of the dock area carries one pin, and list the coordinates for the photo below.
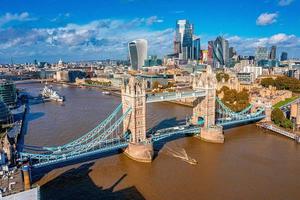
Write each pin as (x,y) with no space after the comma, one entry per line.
(276,129)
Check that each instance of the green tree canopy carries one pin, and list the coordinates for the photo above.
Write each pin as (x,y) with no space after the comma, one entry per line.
(222,75)
(282,83)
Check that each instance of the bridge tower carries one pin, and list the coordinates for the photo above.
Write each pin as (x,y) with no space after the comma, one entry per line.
(134,97)
(268,112)
(205,108)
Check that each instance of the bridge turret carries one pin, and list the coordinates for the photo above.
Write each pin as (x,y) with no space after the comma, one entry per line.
(205,108)
(268,112)
(134,97)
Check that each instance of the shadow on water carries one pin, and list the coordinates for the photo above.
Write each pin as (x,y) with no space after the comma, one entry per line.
(167,123)
(76,184)
(34,116)
(38,173)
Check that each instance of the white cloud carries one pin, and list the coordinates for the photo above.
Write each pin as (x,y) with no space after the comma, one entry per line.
(266,19)
(285,2)
(9,17)
(177,12)
(94,40)
(153,19)
(281,40)
(60,17)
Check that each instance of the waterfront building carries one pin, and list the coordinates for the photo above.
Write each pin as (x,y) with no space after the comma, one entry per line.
(138,50)
(62,76)
(261,54)
(284,56)
(8,93)
(47,74)
(273,53)
(5,115)
(73,74)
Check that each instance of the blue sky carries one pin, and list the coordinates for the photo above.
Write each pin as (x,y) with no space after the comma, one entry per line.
(47,30)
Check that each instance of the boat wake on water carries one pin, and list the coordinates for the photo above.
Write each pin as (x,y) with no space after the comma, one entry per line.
(179,153)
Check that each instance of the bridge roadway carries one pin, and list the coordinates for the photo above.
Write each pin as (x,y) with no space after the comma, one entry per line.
(171,96)
(111,145)
(104,138)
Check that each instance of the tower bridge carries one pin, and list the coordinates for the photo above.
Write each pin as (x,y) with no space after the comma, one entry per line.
(125,128)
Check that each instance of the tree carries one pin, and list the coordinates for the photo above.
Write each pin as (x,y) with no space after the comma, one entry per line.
(266,82)
(222,75)
(236,101)
(155,85)
(287,124)
(277,116)
(282,83)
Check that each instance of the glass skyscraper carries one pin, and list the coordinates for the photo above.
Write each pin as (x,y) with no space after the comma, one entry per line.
(284,56)
(220,52)
(273,53)
(138,53)
(261,53)
(197,49)
(184,40)
(210,49)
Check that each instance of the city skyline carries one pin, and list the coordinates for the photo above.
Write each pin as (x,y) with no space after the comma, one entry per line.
(57,29)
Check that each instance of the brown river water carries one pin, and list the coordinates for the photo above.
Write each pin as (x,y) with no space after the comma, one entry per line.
(252,164)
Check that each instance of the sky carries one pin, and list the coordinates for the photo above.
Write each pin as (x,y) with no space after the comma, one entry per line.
(47,30)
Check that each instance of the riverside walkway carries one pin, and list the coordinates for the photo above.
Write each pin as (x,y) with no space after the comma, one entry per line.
(280,131)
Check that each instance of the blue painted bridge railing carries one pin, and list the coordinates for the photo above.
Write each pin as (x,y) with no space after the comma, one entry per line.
(172,96)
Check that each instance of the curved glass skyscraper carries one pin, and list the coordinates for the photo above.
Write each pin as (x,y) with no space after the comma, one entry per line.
(218,52)
(138,53)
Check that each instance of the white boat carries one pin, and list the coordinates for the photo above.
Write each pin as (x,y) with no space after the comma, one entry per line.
(106,93)
(49,93)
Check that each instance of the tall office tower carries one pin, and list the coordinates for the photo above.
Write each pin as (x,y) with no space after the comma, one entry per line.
(284,56)
(220,52)
(196,49)
(273,53)
(183,44)
(138,50)
(261,54)
(225,52)
(232,52)
(210,54)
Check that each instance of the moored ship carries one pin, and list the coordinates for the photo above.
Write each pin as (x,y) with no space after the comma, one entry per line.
(49,94)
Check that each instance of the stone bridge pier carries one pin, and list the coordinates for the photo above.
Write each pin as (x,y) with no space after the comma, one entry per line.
(205,108)
(134,97)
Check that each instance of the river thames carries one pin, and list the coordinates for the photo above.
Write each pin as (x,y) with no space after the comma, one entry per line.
(252,164)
